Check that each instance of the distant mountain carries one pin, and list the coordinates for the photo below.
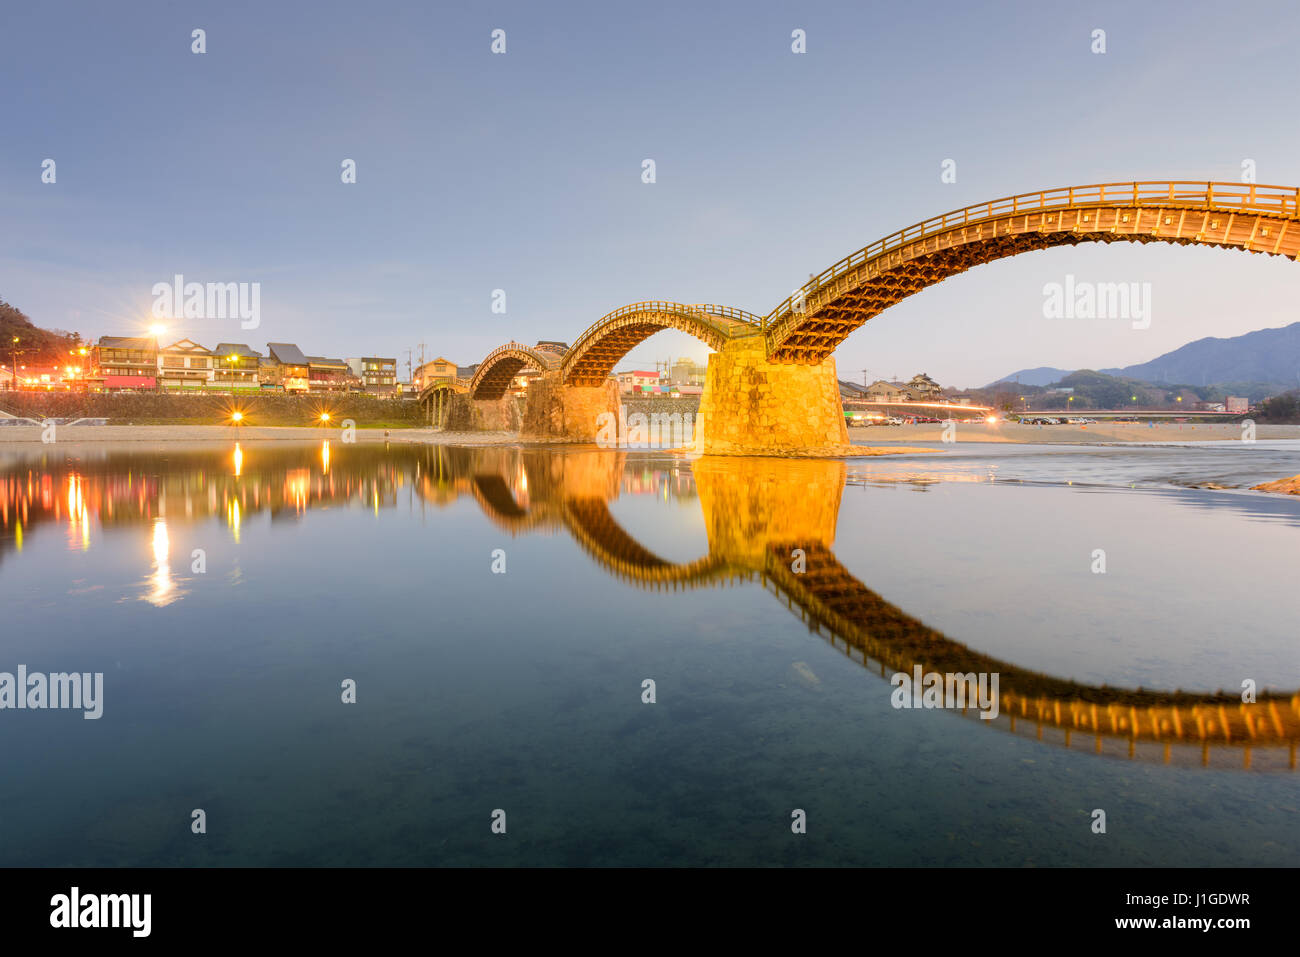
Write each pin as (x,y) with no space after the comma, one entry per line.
(1266,355)
(1043,375)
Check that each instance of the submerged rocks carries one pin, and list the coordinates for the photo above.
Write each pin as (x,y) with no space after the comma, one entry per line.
(1287,486)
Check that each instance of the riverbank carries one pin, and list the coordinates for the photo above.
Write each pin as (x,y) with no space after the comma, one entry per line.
(874,440)
(1099,434)
(116,434)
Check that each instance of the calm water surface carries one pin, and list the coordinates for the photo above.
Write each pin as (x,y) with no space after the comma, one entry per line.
(522,690)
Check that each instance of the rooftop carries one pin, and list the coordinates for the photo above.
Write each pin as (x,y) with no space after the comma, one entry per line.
(286,353)
(128,342)
(236,349)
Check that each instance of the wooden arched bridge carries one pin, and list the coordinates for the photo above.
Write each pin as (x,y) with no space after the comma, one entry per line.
(760,514)
(758,400)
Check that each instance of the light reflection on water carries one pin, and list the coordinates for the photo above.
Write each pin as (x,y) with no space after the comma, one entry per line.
(628,563)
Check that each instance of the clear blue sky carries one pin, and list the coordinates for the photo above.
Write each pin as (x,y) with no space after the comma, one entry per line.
(523,171)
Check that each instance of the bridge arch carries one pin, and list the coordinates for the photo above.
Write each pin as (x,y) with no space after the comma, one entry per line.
(498,369)
(435,400)
(610,338)
(599,534)
(813,321)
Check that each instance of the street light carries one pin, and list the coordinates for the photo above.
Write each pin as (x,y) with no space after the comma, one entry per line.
(14,353)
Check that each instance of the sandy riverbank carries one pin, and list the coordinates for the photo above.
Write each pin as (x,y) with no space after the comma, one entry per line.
(114,434)
(1101,433)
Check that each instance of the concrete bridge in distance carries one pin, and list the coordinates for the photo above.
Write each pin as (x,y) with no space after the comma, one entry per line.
(771,386)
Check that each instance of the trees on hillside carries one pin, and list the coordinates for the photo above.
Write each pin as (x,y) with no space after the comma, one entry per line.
(37,346)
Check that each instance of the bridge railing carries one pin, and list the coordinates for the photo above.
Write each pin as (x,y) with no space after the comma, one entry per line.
(678,308)
(1246,197)
(729,312)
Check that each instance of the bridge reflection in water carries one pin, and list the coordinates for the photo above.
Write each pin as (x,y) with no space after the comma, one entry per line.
(766,517)
(768,521)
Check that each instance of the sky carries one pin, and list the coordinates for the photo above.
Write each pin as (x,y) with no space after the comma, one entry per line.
(522,171)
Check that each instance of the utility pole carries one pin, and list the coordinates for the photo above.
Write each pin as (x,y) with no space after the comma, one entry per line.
(14,353)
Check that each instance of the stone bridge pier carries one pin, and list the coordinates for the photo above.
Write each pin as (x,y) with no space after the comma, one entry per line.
(567,413)
(467,414)
(752,406)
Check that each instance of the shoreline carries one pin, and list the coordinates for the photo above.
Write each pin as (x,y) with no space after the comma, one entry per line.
(875,440)
(23,441)
(1102,433)
(871,441)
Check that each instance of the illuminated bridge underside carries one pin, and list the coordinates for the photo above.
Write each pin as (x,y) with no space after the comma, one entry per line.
(495,498)
(594,355)
(609,544)
(498,370)
(1259,219)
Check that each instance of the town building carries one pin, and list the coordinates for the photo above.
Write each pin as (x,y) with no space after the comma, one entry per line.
(636,381)
(924,388)
(269,377)
(883,391)
(378,376)
(436,370)
(330,376)
(184,365)
(40,377)
(1236,403)
(687,372)
(125,362)
(235,367)
(292,372)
